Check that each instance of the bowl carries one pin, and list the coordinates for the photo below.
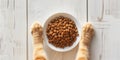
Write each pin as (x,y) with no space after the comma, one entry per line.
(78,25)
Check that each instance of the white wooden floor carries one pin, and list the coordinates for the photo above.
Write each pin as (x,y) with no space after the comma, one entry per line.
(16,17)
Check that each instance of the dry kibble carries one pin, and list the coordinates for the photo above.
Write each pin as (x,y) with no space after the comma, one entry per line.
(62,32)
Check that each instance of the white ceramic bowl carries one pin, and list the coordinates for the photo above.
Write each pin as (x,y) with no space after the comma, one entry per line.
(78,25)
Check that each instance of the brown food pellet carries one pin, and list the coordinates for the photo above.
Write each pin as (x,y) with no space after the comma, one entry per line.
(62,32)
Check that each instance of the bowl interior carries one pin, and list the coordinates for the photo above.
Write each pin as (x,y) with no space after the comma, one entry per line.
(66,48)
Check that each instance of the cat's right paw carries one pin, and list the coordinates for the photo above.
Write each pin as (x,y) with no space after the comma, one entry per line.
(88,30)
(87,33)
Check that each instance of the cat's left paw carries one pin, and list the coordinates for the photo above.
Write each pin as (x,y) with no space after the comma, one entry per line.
(36,28)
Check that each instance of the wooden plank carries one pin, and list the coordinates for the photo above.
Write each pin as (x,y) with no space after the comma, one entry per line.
(13,30)
(108,40)
(21,29)
(40,10)
(111,42)
(94,10)
(111,8)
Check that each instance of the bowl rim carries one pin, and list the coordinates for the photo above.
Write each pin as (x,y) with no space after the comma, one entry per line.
(77,25)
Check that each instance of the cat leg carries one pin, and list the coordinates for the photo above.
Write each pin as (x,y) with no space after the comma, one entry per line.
(37,33)
(86,37)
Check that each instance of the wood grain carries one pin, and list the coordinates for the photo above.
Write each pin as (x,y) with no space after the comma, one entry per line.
(106,45)
(16,17)
(13,30)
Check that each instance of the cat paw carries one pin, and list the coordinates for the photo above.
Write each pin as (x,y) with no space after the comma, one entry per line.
(36,28)
(88,30)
